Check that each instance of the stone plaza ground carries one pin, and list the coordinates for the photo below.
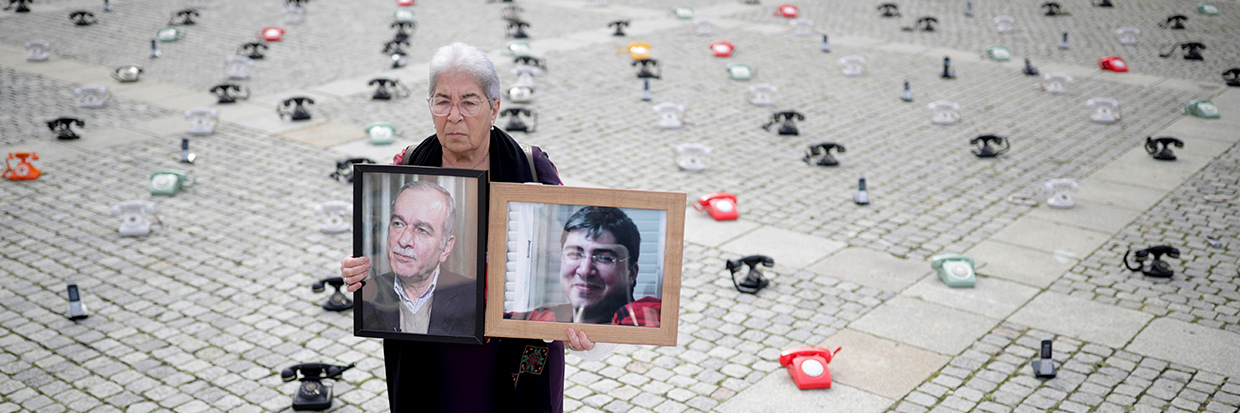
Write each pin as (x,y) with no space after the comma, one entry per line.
(204,313)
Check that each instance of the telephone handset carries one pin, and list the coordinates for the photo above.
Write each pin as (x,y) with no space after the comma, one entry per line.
(517,119)
(1166,142)
(24,170)
(64,127)
(338,301)
(669,115)
(1106,110)
(1232,77)
(312,394)
(344,168)
(294,108)
(1059,192)
(823,152)
(985,149)
(722,49)
(721,206)
(225,92)
(388,88)
(202,120)
(955,270)
(808,366)
(1192,50)
(83,18)
(787,125)
(128,73)
(754,281)
(1174,22)
(889,10)
(134,217)
(1158,268)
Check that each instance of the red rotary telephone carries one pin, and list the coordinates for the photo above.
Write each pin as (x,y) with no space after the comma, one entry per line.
(24,171)
(404,3)
(271,34)
(721,206)
(787,10)
(808,366)
(722,49)
(1113,63)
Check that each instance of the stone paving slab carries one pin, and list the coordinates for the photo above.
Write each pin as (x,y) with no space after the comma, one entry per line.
(327,134)
(880,366)
(991,297)
(1195,346)
(872,269)
(1021,264)
(1139,168)
(924,324)
(794,249)
(777,393)
(1082,318)
(700,228)
(1099,217)
(1120,195)
(1052,237)
(111,137)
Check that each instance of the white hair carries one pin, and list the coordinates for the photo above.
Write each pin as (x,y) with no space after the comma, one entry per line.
(462,58)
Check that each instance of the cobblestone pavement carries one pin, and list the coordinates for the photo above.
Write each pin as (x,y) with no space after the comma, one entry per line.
(203,314)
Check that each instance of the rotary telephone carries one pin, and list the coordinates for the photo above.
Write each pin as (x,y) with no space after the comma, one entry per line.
(398,89)
(669,115)
(517,118)
(644,72)
(808,366)
(403,15)
(531,61)
(722,49)
(344,168)
(1053,9)
(516,29)
(682,12)
(761,94)
(1191,50)
(1113,63)
(691,156)
(1166,142)
(705,27)
(169,34)
(338,301)
(823,152)
(853,65)
(802,27)
(335,212)
(271,33)
(1232,77)
(925,24)
(24,170)
(393,47)
(91,96)
(785,119)
(740,71)
(511,12)
(754,281)
(1003,24)
(1158,268)
(1207,9)
(129,73)
(202,120)
(637,50)
(1103,3)
(998,53)
(235,66)
(224,91)
(1201,108)
(619,25)
(134,214)
(520,94)
(83,18)
(1174,22)
(381,133)
(945,113)
(955,270)
(294,108)
(1059,192)
(787,10)
(720,205)
(21,6)
(525,74)
(1128,35)
(518,49)
(255,50)
(312,394)
(401,34)
(889,10)
(77,310)
(64,127)
(38,50)
(187,17)
(1106,110)
(167,182)
(1054,82)
(985,149)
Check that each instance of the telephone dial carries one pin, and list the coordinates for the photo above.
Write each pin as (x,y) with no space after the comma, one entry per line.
(669,115)
(990,146)
(21,6)
(889,10)
(1058,188)
(338,301)
(336,212)
(955,270)
(619,25)
(1174,22)
(637,50)
(1054,82)
(1029,70)
(1113,63)
(1003,24)
(520,94)
(1128,35)
(229,92)
(24,170)
(1160,147)
(808,366)
(518,118)
(720,205)
(202,120)
(925,24)
(1044,366)
(1192,50)
(691,156)
(1053,9)
(169,34)
(64,127)
(1106,110)
(294,108)
(761,94)
(136,217)
(381,133)
(511,12)
(401,34)
(822,151)
(83,18)
(518,49)
(37,50)
(1207,9)
(787,125)
(948,72)
(186,17)
(344,168)
(682,12)
(1232,77)
(516,29)
(1158,268)
(740,71)
(167,182)
(644,70)
(77,309)
(945,112)
(802,27)
(388,88)
(1201,108)
(704,26)
(754,281)
(235,66)
(312,394)
(91,96)
(271,33)
(125,74)
(254,49)
(787,10)
(998,53)
(852,65)
(722,49)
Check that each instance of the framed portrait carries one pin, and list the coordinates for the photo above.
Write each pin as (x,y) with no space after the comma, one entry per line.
(603,261)
(424,230)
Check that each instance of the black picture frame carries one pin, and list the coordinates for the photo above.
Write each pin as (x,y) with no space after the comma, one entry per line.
(375,188)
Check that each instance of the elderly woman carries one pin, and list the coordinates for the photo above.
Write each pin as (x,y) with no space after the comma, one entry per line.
(433,377)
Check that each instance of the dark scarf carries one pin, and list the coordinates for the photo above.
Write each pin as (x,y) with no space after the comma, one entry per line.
(508,161)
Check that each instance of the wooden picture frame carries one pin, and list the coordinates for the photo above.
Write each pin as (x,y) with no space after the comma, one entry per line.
(398,224)
(545,279)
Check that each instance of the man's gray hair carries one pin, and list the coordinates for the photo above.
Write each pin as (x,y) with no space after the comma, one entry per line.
(462,58)
(449,224)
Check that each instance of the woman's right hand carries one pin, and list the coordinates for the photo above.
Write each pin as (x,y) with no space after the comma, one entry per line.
(354,271)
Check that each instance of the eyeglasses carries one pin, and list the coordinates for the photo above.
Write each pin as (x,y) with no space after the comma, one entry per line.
(469,107)
(574,257)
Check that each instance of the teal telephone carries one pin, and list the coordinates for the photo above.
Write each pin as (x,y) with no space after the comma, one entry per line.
(382,133)
(740,71)
(166,182)
(956,270)
(998,53)
(1202,108)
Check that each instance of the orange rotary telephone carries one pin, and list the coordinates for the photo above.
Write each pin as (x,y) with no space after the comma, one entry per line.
(24,171)
(808,366)
(721,206)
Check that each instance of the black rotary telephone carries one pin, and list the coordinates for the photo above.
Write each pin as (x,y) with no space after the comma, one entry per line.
(1192,50)
(255,50)
(516,29)
(889,10)
(21,6)
(823,151)
(312,394)
(1053,9)
(83,18)
(1174,22)
(344,168)
(297,3)
(1164,153)
(754,281)
(397,89)
(785,119)
(530,61)
(338,301)
(187,17)
(515,122)
(644,71)
(401,34)
(989,146)
(619,25)
(1103,3)
(1158,268)
(1232,76)
(294,108)
(394,47)
(224,91)
(925,24)
(64,127)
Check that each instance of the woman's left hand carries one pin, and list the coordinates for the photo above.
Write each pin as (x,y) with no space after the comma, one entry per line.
(577,341)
